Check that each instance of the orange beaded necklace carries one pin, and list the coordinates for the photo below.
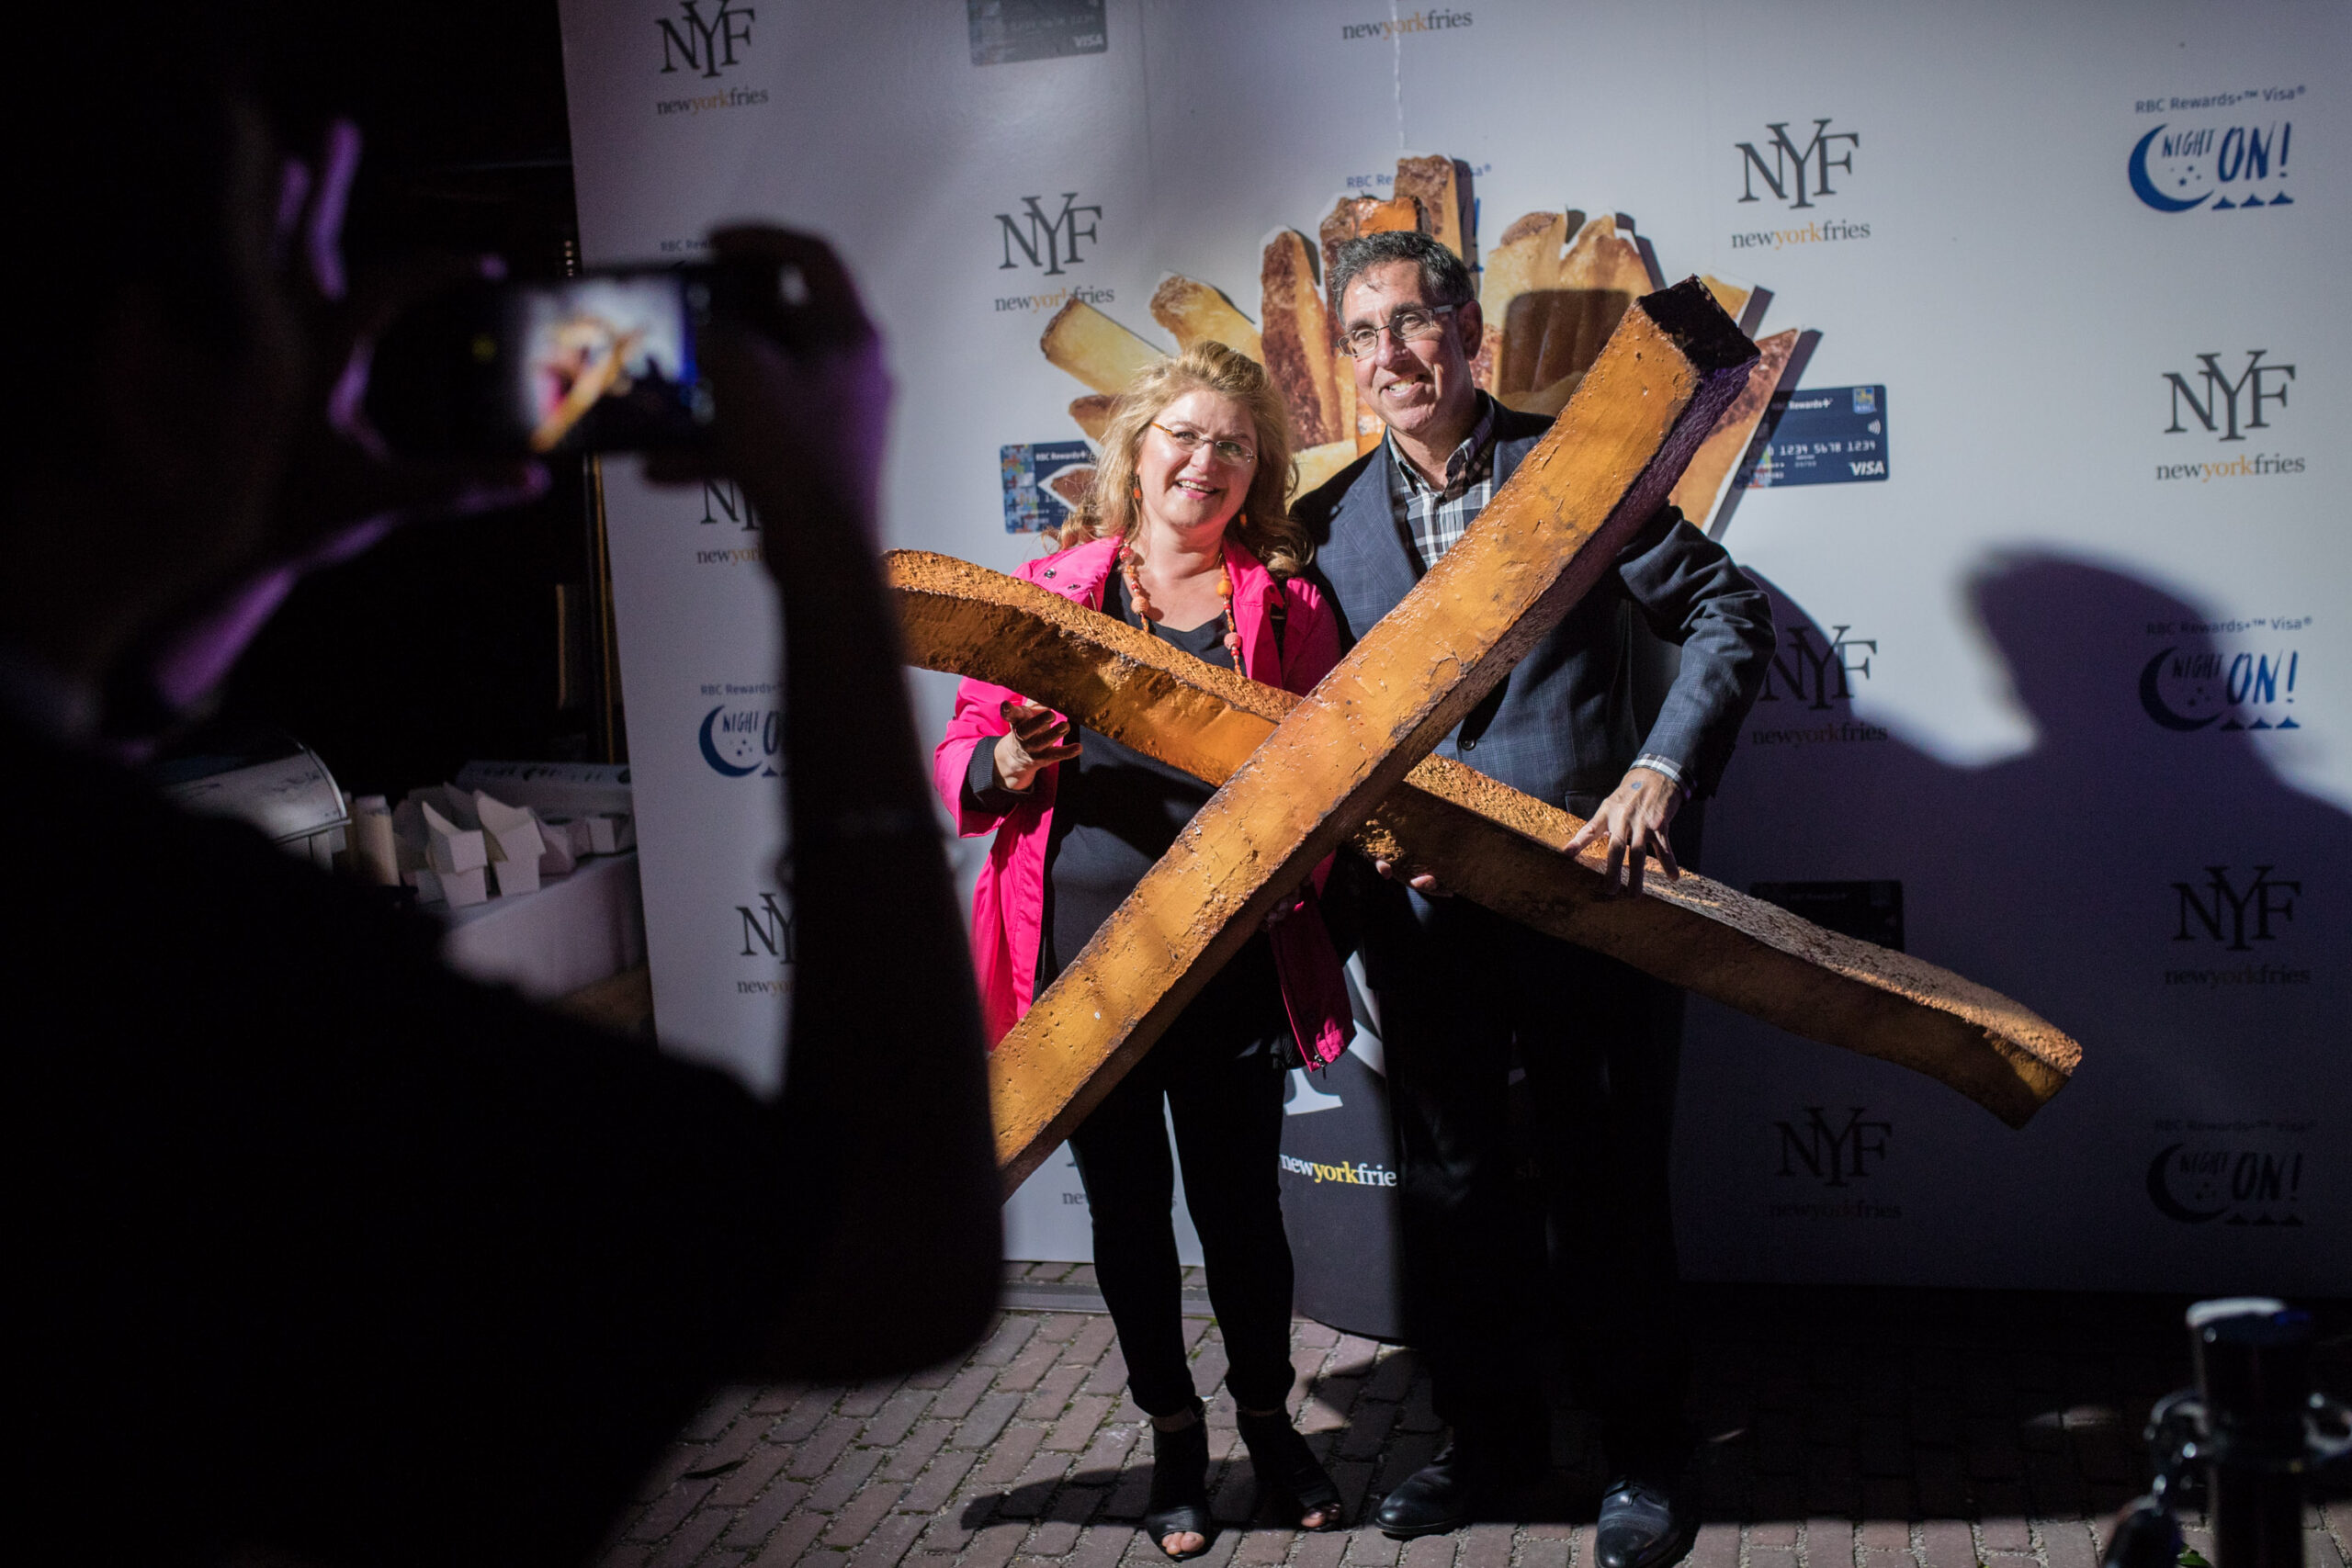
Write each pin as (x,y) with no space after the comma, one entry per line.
(1130,560)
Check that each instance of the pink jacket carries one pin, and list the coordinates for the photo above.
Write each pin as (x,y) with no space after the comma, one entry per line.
(1009,903)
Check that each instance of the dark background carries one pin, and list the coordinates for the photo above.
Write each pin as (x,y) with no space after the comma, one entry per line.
(442,644)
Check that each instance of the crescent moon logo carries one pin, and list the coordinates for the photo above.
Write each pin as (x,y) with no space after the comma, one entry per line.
(710,748)
(2161,1195)
(2150,698)
(2145,188)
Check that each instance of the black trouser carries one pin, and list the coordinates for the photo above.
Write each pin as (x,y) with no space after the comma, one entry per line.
(1458,987)
(1229,1116)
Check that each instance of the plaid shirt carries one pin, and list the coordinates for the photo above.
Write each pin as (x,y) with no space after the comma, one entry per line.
(1435,518)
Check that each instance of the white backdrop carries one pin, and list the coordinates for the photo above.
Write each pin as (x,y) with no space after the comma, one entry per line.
(2086,703)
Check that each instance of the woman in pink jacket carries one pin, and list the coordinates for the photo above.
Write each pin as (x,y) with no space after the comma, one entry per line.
(1188,535)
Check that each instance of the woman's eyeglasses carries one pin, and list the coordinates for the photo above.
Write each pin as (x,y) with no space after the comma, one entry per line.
(1191,441)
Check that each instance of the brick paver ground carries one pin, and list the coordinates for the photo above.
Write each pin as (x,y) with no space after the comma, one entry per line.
(1863,1428)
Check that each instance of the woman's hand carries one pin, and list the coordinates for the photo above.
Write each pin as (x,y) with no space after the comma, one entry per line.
(1037,736)
(1286,905)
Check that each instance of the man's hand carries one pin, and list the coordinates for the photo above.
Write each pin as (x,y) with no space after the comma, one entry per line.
(1425,885)
(1633,819)
(1038,737)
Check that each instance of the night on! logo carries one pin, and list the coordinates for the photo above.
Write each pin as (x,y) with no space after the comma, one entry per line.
(738,739)
(704,43)
(2239,1173)
(1795,170)
(1047,241)
(2187,689)
(2220,165)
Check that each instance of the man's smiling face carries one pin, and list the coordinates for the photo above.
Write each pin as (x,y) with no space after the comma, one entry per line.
(1423,390)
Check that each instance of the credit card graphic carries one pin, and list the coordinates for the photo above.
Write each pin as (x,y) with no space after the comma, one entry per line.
(1043,480)
(1822,435)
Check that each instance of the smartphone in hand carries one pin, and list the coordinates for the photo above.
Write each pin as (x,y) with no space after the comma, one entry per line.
(606,362)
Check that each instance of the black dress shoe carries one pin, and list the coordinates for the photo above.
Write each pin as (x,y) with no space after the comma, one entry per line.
(1642,1526)
(1460,1485)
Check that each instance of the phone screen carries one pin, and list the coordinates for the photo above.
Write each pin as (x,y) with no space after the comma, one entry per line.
(600,363)
(604,362)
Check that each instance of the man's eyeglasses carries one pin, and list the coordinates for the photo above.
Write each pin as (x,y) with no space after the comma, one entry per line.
(1190,441)
(1415,323)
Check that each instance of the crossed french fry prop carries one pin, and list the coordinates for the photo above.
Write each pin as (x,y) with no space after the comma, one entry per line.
(1299,776)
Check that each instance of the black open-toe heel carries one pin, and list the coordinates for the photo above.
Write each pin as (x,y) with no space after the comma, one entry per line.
(1287,1468)
(1180,1486)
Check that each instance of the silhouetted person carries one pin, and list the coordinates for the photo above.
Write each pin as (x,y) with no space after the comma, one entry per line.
(321,1252)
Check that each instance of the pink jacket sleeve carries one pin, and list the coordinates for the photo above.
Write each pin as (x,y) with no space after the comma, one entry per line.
(978,720)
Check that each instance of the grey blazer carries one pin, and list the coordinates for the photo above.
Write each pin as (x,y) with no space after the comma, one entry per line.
(1561,728)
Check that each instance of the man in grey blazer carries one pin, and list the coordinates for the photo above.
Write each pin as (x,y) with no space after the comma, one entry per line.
(1458,987)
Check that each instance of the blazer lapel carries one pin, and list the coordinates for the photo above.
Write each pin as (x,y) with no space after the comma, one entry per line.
(1380,565)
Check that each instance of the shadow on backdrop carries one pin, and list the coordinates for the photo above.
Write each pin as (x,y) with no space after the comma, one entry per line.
(2078,876)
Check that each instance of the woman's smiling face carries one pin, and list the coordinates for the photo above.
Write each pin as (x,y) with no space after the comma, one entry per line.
(1195,491)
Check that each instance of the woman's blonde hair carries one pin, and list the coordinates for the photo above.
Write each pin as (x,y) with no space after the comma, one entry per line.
(1264,526)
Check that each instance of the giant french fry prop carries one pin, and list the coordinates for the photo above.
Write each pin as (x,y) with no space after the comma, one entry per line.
(1492,844)
(1543,540)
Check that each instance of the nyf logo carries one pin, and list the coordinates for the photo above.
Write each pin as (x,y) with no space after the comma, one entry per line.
(767,929)
(1806,167)
(1822,676)
(1832,1155)
(2221,910)
(1046,241)
(706,44)
(722,501)
(2227,405)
